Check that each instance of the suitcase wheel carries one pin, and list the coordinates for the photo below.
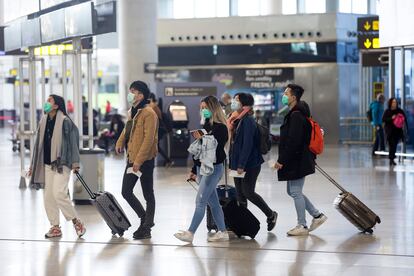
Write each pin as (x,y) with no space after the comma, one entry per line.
(121,234)
(369,231)
(377,219)
(113,233)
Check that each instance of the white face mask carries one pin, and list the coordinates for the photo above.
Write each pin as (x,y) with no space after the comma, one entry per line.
(131,98)
(235,105)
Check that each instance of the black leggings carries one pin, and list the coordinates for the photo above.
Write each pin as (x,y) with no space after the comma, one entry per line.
(245,188)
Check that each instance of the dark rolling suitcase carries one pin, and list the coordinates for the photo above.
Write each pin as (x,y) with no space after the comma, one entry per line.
(109,209)
(225,193)
(352,208)
(238,219)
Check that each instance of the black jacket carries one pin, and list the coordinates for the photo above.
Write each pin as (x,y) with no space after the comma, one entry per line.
(294,154)
(391,130)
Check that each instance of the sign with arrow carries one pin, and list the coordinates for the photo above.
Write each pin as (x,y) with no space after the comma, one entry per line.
(368,33)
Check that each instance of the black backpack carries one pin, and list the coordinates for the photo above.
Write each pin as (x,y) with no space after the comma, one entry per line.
(264,136)
(265,141)
(369,113)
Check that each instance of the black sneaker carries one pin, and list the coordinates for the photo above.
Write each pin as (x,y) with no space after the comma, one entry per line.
(142,234)
(271,222)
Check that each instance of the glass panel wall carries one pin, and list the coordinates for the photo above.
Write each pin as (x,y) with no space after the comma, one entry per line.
(409,94)
(221,8)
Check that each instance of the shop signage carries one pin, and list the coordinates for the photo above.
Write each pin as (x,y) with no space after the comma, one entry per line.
(180,91)
(263,78)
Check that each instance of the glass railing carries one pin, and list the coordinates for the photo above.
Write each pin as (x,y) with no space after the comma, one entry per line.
(355,130)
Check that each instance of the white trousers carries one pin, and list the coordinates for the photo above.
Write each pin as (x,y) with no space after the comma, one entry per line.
(56,195)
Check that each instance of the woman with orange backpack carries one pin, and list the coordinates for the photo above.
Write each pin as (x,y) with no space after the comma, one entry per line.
(297,159)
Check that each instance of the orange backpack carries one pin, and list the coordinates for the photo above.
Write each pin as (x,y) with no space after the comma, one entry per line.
(316,138)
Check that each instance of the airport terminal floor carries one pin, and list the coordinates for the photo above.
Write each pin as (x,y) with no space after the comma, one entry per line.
(336,248)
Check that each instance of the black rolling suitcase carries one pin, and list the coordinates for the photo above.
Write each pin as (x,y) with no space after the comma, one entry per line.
(238,219)
(352,208)
(109,209)
(225,193)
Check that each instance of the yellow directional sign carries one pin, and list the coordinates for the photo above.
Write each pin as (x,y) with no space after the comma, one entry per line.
(13,72)
(368,32)
(367,43)
(52,50)
(375,43)
(375,25)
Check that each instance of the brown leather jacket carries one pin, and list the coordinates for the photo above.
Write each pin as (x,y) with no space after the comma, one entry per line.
(143,139)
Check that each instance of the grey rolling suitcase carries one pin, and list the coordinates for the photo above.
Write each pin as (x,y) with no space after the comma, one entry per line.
(352,208)
(109,209)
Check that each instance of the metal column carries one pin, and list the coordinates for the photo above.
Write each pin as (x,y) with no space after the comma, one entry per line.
(402,80)
(43,80)
(64,76)
(391,73)
(77,86)
(90,100)
(21,80)
(32,100)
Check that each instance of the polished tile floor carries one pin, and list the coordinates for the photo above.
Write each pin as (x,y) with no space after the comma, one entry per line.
(335,249)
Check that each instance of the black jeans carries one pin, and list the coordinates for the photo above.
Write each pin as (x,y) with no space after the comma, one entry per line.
(147,184)
(379,143)
(245,190)
(392,144)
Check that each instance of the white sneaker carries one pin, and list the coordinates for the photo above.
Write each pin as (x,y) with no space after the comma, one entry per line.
(316,222)
(79,228)
(299,230)
(219,237)
(54,232)
(185,236)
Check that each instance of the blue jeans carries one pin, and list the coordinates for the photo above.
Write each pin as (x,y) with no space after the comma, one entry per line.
(207,194)
(302,203)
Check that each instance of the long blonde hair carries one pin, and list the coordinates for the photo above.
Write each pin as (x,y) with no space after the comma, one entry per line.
(218,115)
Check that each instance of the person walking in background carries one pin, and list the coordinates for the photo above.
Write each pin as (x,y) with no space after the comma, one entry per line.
(377,111)
(245,155)
(108,107)
(214,122)
(55,154)
(296,160)
(70,107)
(163,129)
(140,137)
(226,100)
(395,120)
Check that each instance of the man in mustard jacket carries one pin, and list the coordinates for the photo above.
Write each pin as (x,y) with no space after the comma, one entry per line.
(139,137)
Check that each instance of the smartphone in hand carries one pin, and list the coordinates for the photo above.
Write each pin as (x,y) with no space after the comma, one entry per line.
(198,133)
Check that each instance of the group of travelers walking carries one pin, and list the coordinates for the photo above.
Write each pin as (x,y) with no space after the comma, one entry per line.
(231,136)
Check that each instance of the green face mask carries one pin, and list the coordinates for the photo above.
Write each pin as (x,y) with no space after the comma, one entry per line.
(285,100)
(205,113)
(47,107)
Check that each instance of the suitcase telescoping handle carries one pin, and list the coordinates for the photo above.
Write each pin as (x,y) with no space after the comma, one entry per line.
(91,194)
(330,178)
